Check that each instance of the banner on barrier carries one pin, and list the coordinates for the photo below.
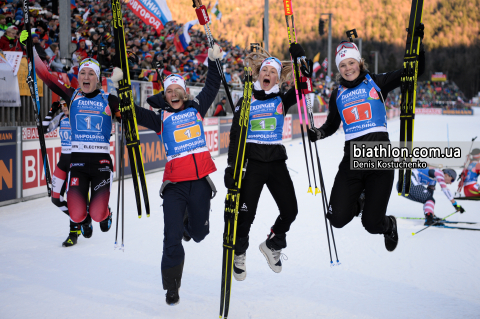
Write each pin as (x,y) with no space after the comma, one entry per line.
(33,180)
(428,110)
(457,112)
(9,92)
(8,165)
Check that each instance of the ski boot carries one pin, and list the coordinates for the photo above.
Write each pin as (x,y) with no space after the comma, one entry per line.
(431,219)
(72,238)
(391,237)
(239,267)
(172,298)
(86,227)
(270,248)
(107,222)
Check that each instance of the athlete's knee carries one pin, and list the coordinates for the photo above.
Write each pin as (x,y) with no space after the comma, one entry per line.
(336,220)
(373,226)
(199,234)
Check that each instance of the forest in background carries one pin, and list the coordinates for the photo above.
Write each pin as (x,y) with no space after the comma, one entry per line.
(452,31)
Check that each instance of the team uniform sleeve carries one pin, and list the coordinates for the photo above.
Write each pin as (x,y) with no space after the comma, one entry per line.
(212,84)
(391,80)
(53,83)
(234,134)
(440,177)
(333,121)
(289,99)
(149,119)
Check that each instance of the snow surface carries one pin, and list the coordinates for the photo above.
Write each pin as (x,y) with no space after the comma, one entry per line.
(434,274)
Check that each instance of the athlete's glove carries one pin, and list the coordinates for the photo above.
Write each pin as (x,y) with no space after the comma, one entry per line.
(23,37)
(315,134)
(215,53)
(117,76)
(307,68)
(296,51)
(228,178)
(458,208)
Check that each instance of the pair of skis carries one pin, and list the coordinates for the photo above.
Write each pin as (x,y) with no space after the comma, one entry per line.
(409,88)
(127,110)
(32,85)
(303,86)
(232,200)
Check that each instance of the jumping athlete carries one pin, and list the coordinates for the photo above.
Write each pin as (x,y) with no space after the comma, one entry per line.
(424,194)
(359,104)
(469,177)
(61,171)
(187,188)
(91,164)
(265,157)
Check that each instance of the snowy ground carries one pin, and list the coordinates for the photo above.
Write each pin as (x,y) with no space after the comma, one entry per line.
(431,275)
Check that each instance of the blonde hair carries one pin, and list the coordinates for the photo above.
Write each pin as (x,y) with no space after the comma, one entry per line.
(255,59)
(363,67)
(183,95)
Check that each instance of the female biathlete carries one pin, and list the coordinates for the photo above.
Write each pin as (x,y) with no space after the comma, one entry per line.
(51,123)
(91,111)
(265,157)
(186,188)
(424,194)
(359,104)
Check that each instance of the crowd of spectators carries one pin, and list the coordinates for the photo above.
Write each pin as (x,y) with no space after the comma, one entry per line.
(440,94)
(93,36)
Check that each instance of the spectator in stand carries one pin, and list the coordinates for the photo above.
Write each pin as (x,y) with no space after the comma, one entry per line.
(147,63)
(189,67)
(9,41)
(38,44)
(55,63)
(3,24)
(81,52)
(228,75)
(220,110)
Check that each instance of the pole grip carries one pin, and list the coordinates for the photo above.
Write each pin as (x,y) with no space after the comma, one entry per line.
(202,15)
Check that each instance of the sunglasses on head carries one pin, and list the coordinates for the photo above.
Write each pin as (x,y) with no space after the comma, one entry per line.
(90,60)
(173,75)
(273,58)
(345,45)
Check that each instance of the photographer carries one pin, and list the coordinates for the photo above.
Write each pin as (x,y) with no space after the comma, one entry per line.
(103,57)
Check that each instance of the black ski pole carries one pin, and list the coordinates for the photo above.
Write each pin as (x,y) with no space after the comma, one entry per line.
(438,221)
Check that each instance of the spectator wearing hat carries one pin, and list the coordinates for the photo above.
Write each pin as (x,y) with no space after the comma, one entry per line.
(3,23)
(82,50)
(147,63)
(9,41)
(55,63)
(189,67)
(220,110)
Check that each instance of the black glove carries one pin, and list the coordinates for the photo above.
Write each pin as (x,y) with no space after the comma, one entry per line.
(420,30)
(460,177)
(307,69)
(228,178)
(315,134)
(458,208)
(55,107)
(296,51)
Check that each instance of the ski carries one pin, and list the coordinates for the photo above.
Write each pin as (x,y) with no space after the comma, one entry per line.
(455,227)
(467,198)
(409,88)
(32,85)
(127,110)
(232,201)
(441,220)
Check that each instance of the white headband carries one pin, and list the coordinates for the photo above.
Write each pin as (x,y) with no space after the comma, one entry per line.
(348,53)
(175,79)
(272,62)
(91,65)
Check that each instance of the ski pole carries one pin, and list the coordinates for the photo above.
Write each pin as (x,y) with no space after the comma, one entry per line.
(290,31)
(438,221)
(120,182)
(204,19)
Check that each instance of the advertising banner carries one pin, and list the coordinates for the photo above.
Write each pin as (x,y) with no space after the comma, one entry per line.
(428,110)
(8,165)
(457,112)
